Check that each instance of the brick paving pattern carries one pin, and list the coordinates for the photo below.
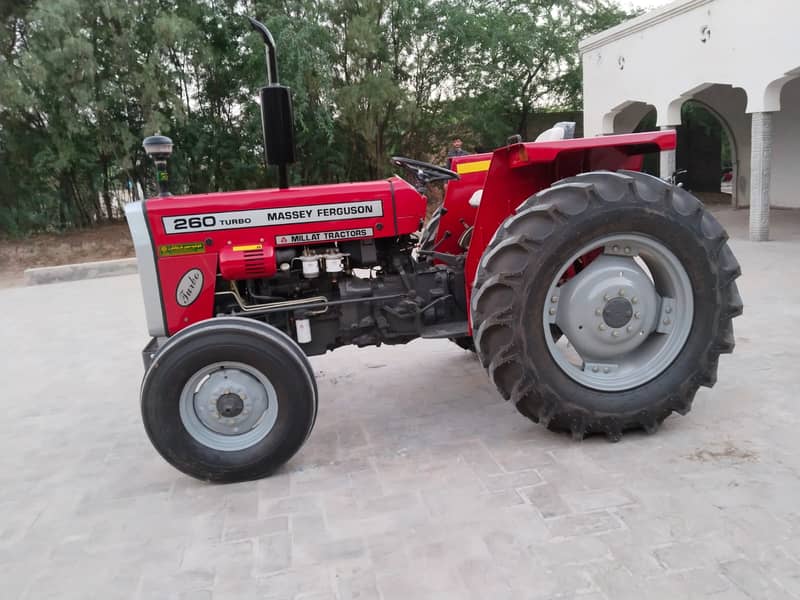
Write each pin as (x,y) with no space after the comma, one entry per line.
(418,482)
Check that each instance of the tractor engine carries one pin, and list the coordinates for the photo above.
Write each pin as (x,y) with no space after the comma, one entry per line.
(363,292)
(329,265)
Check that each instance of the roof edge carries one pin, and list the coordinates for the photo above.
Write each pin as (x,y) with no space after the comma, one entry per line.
(639,23)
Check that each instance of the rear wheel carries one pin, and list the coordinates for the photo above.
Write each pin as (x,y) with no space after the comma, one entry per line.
(229,399)
(604,303)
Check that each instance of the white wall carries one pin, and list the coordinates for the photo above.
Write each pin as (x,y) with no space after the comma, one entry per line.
(785,181)
(748,44)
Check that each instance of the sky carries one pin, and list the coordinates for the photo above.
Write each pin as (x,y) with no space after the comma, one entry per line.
(645,4)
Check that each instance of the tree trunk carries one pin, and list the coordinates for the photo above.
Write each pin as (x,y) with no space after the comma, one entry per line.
(107,192)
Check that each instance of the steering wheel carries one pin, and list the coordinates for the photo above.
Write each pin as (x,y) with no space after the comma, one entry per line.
(425,173)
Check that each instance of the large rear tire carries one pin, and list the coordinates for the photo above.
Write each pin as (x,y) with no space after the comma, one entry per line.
(641,280)
(229,399)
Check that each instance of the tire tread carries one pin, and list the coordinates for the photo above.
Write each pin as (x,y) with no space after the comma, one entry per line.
(496,294)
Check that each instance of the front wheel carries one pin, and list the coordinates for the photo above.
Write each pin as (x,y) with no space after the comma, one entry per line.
(229,399)
(604,303)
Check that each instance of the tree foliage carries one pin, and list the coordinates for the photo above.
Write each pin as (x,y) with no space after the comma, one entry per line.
(82,82)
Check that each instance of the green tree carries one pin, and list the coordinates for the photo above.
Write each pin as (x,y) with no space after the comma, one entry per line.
(82,82)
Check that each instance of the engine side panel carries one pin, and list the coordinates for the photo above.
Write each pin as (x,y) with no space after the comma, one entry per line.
(187,284)
(192,234)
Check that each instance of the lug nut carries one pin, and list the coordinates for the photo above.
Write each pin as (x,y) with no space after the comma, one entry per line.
(621,292)
(615,334)
(601,327)
(554,299)
(606,297)
(598,311)
(629,329)
(595,369)
(667,321)
(615,248)
(636,315)
(552,311)
(668,310)
(627,250)
(606,370)
(634,300)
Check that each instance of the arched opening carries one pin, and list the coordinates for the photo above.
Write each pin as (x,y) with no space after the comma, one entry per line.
(785,177)
(707,151)
(635,118)
(714,143)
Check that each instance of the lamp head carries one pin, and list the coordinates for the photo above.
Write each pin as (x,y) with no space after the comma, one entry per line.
(157,147)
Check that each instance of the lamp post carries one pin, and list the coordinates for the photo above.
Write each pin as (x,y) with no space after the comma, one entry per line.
(159,148)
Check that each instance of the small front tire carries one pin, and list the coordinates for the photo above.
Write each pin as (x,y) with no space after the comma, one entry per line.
(229,399)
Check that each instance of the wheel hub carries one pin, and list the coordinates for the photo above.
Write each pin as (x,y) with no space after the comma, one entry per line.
(617,312)
(608,308)
(624,317)
(230,405)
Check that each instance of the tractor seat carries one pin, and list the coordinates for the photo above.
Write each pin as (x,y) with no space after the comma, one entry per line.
(565,130)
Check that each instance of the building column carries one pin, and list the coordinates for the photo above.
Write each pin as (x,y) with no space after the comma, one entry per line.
(760,163)
(667,158)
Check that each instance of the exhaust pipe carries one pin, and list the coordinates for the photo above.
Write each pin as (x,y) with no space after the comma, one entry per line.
(276,112)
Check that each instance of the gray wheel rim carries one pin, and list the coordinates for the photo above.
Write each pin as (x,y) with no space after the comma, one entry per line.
(228,406)
(625,317)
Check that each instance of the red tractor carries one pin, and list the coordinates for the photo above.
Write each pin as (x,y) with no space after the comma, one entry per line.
(598,298)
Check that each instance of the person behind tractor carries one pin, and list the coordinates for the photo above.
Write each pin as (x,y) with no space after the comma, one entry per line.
(455,150)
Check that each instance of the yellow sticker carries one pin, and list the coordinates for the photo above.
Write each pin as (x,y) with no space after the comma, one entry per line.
(473,167)
(246,248)
(179,249)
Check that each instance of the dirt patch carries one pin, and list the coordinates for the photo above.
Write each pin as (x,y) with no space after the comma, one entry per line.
(723,452)
(105,242)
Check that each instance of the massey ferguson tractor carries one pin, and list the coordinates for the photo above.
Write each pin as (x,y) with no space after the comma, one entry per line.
(597,298)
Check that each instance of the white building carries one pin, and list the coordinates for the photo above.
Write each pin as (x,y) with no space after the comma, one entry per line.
(739,58)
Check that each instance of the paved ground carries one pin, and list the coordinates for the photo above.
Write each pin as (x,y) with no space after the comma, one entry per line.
(418,482)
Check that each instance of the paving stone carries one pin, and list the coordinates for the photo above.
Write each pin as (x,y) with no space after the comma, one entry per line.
(576,551)
(292,583)
(358,583)
(546,499)
(752,579)
(521,457)
(328,551)
(419,481)
(592,500)
(511,481)
(584,524)
(273,553)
